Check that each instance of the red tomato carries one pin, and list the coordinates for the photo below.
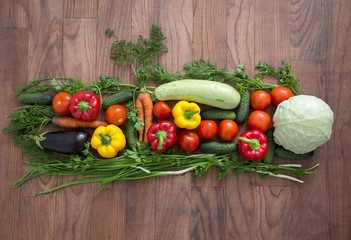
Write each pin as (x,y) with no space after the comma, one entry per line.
(280,94)
(227,130)
(61,102)
(260,100)
(188,140)
(207,129)
(161,110)
(116,114)
(259,120)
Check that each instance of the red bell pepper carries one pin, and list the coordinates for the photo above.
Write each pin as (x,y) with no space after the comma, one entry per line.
(162,135)
(253,145)
(85,106)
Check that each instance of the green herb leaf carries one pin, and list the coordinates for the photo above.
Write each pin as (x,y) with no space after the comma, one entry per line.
(143,51)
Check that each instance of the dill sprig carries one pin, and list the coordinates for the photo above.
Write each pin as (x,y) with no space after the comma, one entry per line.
(143,51)
(159,74)
(38,85)
(202,69)
(29,117)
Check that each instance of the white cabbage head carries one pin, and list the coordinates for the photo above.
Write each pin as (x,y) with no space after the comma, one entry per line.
(302,123)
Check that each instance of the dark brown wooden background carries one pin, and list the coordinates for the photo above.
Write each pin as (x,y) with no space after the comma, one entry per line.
(57,38)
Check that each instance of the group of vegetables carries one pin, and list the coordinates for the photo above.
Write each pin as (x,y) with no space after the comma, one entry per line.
(189,122)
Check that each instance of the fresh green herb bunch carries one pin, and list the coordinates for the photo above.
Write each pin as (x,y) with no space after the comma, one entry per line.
(143,51)
(202,69)
(28,118)
(285,75)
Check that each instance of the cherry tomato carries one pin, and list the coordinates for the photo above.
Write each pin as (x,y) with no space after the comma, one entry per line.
(116,114)
(161,110)
(207,129)
(280,94)
(227,130)
(260,100)
(259,120)
(188,140)
(61,102)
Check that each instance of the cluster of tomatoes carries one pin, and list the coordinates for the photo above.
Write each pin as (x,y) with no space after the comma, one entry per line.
(189,140)
(259,101)
(227,129)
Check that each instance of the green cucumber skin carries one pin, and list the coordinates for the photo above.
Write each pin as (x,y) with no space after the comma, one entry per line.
(217,114)
(244,107)
(215,94)
(271,146)
(117,98)
(131,135)
(284,153)
(218,147)
(35,98)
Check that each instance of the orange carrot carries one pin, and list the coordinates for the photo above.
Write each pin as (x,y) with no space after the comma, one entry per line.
(69,122)
(147,114)
(139,106)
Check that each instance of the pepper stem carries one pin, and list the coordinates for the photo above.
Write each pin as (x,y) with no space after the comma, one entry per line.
(161,136)
(83,106)
(188,114)
(105,139)
(254,143)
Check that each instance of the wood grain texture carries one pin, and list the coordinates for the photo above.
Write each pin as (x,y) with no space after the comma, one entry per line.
(13,43)
(14,14)
(337,75)
(79,45)
(108,214)
(208,215)
(66,38)
(273,204)
(271,31)
(45,39)
(309,32)
(240,32)
(80,8)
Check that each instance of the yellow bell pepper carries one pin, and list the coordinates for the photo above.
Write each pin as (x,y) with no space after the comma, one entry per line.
(186,115)
(108,141)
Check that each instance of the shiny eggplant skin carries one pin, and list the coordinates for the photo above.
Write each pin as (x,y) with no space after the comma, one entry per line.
(65,141)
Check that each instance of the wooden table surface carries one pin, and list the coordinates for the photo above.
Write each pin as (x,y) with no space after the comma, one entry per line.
(65,38)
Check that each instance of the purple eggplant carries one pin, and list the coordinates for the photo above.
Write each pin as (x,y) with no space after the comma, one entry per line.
(65,141)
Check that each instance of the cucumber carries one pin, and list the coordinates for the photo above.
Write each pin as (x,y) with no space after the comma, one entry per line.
(218,147)
(35,98)
(215,94)
(215,114)
(284,153)
(271,146)
(131,135)
(244,107)
(117,98)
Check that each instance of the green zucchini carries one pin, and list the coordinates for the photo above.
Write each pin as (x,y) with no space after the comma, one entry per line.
(244,107)
(284,153)
(215,94)
(35,98)
(215,114)
(117,98)
(218,147)
(131,135)
(271,147)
